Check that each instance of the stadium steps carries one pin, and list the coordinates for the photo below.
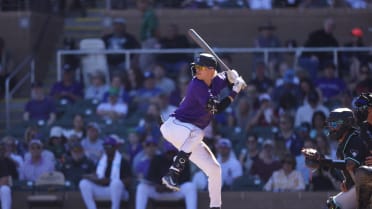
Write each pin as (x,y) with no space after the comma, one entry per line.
(90,26)
(16,114)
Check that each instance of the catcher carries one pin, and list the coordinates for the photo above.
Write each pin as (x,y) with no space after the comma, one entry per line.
(363,113)
(351,153)
(185,127)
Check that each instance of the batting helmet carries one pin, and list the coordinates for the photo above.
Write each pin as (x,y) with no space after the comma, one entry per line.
(340,121)
(204,59)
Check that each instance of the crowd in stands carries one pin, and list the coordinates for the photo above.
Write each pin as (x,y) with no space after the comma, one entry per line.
(102,132)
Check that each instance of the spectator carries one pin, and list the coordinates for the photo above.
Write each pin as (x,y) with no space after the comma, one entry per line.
(133,81)
(285,3)
(249,153)
(364,83)
(305,112)
(111,180)
(118,39)
(78,128)
(283,70)
(148,91)
(317,124)
(151,186)
(230,166)
(242,114)
(76,165)
(8,171)
(97,88)
(150,122)
(117,83)
(287,179)
(6,65)
(357,4)
(133,148)
(286,139)
(68,90)
(148,33)
(92,144)
(287,97)
(351,61)
(10,151)
(113,109)
(149,24)
(307,86)
(180,91)
(163,82)
(56,143)
(142,160)
(31,132)
(173,39)
(37,164)
(166,109)
(260,4)
(267,39)
(324,37)
(265,116)
(39,108)
(266,163)
(314,4)
(261,81)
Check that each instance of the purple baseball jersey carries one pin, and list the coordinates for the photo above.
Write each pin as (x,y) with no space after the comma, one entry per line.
(193,107)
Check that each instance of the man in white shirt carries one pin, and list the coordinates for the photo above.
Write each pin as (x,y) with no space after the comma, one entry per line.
(113,108)
(305,112)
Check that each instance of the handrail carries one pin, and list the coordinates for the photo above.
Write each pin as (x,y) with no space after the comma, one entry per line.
(266,51)
(8,92)
(28,61)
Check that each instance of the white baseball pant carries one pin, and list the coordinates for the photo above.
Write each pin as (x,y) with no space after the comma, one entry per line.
(114,192)
(5,197)
(187,191)
(346,200)
(189,138)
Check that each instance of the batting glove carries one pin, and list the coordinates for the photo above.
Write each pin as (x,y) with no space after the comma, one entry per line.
(239,84)
(232,75)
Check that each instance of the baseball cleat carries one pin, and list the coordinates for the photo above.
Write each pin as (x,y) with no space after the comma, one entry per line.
(170,182)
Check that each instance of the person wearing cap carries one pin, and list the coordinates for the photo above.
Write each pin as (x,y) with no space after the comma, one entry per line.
(264,116)
(266,163)
(267,39)
(185,127)
(8,172)
(39,107)
(151,186)
(142,160)
(10,144)
(37,164)
(119,39)
(148,91)
(97,86)
(111,179)
(114,108)
(56,142)
(92,143)
(286,179)
(230,165)
(75,164)
(68,90)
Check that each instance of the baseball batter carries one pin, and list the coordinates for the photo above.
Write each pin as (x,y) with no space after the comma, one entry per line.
(184,128)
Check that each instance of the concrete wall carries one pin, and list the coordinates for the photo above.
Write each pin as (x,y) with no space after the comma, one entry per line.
(231,200)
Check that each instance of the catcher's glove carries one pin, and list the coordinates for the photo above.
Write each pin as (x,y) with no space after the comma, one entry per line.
(312,154)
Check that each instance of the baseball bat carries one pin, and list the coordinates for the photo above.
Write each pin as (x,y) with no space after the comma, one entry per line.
(204,45)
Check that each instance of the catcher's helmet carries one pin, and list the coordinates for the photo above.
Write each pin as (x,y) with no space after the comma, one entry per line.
(204,59)
(340,120)
(361,105)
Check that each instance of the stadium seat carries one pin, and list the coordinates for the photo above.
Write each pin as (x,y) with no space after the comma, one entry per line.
(95,61)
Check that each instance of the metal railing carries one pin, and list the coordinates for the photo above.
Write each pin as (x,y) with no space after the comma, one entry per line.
(266,52)
(28,62)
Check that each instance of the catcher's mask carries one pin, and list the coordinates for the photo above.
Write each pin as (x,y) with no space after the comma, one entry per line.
(201,61)
(340,120)
(361,105)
